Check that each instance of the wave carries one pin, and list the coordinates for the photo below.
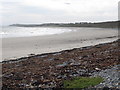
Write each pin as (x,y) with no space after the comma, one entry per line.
(31,31)
(3,33)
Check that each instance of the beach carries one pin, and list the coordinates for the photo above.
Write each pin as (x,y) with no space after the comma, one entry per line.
(17,47)
(59,44)
(46,61)
(51,69)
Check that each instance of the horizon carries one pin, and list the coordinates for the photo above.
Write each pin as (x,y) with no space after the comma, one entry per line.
(57,11)
(61,23)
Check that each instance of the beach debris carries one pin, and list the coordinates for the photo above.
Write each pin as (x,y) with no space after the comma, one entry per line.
(31,54)
(49,70)
(62,65)
(97,69)
(56,54)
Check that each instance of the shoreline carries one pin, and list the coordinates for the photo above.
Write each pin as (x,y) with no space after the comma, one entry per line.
(42,54)
(50,70)
(84,43)
(16,47)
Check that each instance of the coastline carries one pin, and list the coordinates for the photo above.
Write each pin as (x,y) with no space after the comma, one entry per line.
(55,52)
(24,46)
(49,70)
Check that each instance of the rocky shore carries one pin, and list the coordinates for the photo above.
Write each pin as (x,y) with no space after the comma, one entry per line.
(111,77)
(51,69)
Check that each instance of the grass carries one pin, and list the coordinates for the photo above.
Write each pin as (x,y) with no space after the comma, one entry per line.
(82,82)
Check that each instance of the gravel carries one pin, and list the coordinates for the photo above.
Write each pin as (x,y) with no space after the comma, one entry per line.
(111,77)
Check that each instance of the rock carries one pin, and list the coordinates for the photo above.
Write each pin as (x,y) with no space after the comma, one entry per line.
(23,85)
(105,88)
(42,56)
(111,77)
(85,56)
(36,83)
(62,65)
(59,77)
(56,54)
(31,54)
(97,69)
(56,58)
(50,59)
(46,81)
(17,78)
(7,76)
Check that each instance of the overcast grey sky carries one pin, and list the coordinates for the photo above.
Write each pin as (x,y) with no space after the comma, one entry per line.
(45,11)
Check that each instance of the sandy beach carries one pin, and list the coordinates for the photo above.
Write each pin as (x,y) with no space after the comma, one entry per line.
(23,46)
(46,61)
(50,70)
(59,44)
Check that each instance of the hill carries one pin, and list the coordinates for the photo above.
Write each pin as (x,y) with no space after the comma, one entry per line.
(110,24)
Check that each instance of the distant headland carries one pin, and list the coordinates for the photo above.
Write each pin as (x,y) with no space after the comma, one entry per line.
(109,24)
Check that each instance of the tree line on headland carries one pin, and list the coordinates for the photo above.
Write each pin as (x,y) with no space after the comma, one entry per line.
(110,24)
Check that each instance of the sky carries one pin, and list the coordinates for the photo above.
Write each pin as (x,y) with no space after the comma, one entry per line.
(57,11)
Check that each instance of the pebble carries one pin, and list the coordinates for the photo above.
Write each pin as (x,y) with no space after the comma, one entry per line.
(111,77)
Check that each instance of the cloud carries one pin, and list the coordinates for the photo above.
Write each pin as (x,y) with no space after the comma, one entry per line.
(76,5)
(40,11)
(68,3)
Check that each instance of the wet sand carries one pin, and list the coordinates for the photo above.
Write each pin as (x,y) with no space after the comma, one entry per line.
(23,46)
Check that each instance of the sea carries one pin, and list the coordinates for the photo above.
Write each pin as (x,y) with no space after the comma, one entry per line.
(13,31)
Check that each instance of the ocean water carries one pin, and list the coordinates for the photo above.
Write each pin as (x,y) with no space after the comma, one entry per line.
(10,31)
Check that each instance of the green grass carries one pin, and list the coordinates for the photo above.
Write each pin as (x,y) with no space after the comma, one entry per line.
(82,82)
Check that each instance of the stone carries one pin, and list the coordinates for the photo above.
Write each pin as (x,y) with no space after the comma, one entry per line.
(62,65)
(97,69)
(36,83)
